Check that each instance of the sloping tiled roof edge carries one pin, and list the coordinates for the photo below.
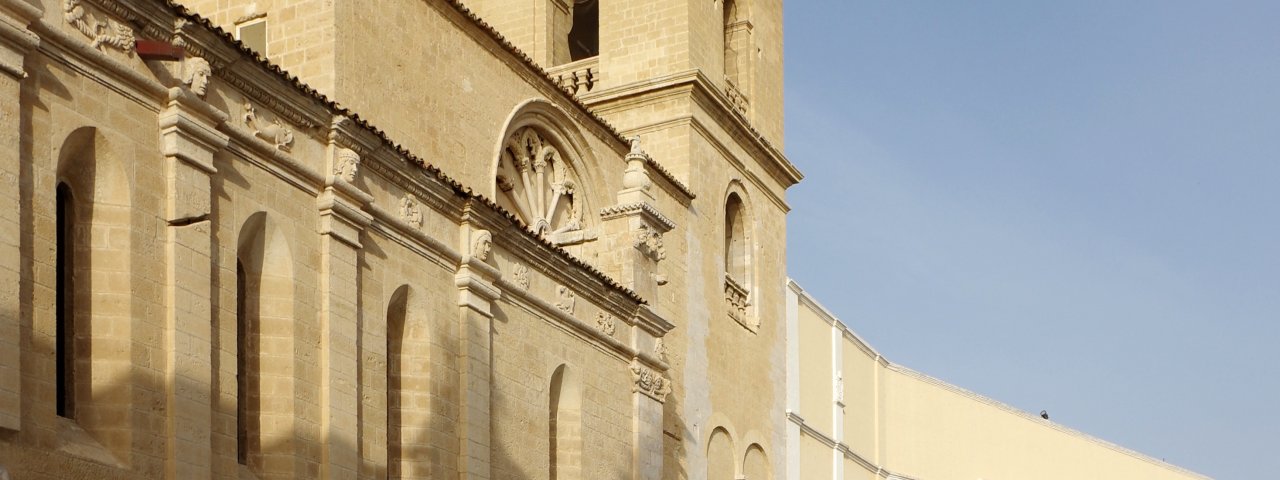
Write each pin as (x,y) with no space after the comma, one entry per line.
(514,50)
(458,187)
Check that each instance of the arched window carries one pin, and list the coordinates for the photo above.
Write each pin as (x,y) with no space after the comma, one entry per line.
(93,285)
(264,347)
(737,53)
(409,447)
(735,235)
(737,261)
(720,456)
(584,37)
(730,48)
(65,328)
(565,425)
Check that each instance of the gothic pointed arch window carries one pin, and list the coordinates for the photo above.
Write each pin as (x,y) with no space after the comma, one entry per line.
(539,184)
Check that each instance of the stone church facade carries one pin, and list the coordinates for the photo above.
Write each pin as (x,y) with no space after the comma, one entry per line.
(400,239)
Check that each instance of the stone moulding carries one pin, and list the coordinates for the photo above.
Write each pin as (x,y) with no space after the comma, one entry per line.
(302,109)
(644,208)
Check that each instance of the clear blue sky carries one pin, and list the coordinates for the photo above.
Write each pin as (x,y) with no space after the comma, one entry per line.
(1063,205)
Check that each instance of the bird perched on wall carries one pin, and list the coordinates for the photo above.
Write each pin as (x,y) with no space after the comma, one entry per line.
(1044,414)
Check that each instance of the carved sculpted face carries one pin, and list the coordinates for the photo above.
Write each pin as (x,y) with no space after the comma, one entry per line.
(196,74)
(348,164)
(482,245)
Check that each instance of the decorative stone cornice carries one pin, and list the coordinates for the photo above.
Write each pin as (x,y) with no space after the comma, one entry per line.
(643,208)
(15,39)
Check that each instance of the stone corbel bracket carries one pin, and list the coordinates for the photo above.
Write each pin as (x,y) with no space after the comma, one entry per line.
(15,39)
(650,329)
(189,133)
(349,146)
(341,213)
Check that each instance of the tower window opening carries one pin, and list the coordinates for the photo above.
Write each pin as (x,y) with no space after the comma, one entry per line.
(253,34)
(584,38)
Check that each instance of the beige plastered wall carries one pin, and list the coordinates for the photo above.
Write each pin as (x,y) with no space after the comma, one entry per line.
(865,417)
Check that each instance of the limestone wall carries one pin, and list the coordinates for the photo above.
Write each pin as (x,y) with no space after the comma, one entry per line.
(231,226)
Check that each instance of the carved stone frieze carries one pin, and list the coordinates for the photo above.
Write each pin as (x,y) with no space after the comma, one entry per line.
(606,323)
(411,210)
(101,30)
(565,299)
(660,349)
(274,132)
(520,274)
(346,164)
(649,242)
(649,382)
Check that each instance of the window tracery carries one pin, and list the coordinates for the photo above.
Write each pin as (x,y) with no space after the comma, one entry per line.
(536,182)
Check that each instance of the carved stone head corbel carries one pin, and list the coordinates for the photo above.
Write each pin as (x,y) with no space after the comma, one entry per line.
(346,164)
(195,75)
(481,245)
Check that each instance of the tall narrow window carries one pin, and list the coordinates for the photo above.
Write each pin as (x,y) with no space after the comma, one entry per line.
(65,312)
(584,38)
(253,34)
(731,47)
(737,54)
(737,271)
(242,372)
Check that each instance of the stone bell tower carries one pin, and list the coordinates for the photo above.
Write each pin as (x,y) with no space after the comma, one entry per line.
(700,82)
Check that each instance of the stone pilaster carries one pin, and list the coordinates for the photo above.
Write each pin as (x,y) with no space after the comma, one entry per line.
(189,136)
(15,42)
(635,227)
(342,220)
(476,292)
(649,392)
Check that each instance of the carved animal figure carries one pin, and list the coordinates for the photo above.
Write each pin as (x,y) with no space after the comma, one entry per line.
(275,132)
